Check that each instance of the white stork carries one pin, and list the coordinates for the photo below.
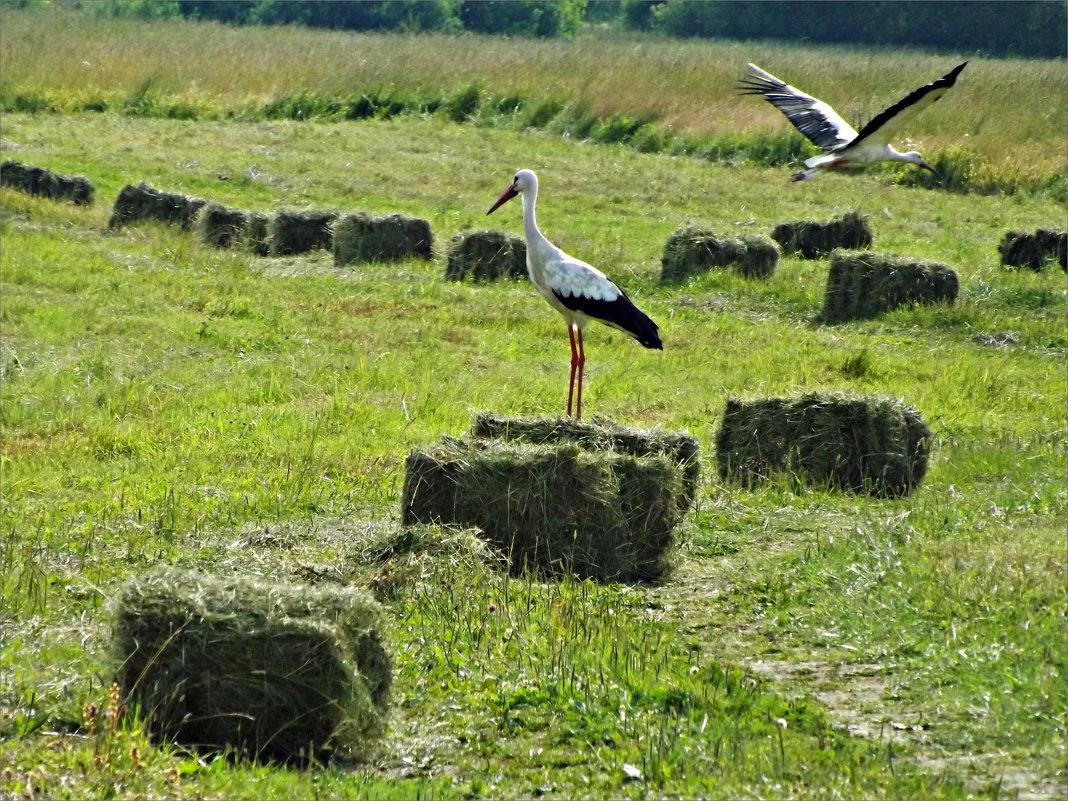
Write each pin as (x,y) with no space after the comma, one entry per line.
(844,146)
(575,289)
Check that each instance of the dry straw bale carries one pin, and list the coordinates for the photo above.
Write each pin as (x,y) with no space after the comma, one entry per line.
(872,445)
(601,435)
(45,183)
(139,202)
(864,284)
(271,669)
(814,240)
(485,255)
(552,508)
(693,251)
(1033,251)
(225,228)
(293,232)
(361,238)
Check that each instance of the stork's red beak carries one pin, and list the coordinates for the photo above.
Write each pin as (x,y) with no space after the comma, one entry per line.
(509,193)
(927,166)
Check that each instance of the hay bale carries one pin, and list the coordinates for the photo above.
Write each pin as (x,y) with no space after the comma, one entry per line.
(485,256)
(225,228)
(1035,250)
(601,435)
(361,238)
(275,670)
(865,284)
(293,232)
(552,508)
(693,251)
(45,183)
(813,240)
(136,203)
(256,236)
(859,444)
(761,256)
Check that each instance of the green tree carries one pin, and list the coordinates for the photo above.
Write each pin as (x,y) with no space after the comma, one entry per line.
(542,18)
(1031,28)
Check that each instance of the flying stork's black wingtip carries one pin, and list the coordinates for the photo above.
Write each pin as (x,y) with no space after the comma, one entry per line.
(755,85)
(755,82)
(951,76)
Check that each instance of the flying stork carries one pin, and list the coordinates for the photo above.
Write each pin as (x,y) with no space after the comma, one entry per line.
(577,290)
(843,145)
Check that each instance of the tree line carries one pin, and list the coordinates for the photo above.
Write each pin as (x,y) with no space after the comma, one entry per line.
(1028,28)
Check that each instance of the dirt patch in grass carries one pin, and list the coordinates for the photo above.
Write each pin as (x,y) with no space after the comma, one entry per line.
(852,692)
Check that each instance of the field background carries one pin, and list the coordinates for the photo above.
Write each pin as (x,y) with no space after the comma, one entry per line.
(165,403)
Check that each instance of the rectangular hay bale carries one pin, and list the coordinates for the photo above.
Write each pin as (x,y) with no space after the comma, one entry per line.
(45,183)
(1034,251)
(866,284)
(683,450)
(275,670)
(140,202)
(222,227)
(867,445)
(360,238)
(814,240)
(485,256)
(552,508)
(693,251)
(293,232)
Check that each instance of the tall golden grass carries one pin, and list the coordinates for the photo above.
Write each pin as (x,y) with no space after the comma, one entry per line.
(1009,113)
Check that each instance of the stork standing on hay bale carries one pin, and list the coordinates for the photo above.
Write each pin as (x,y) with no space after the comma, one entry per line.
(827,130)
(577,290)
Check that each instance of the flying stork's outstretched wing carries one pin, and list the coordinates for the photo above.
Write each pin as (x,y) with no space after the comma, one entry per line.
(811,116)
(885,125)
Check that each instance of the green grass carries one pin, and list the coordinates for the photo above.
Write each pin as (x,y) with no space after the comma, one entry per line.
(163,402)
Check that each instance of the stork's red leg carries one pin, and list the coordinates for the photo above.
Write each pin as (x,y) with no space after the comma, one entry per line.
(574,365)
(581,370)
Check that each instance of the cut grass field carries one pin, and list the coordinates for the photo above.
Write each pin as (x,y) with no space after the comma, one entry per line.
(166,403)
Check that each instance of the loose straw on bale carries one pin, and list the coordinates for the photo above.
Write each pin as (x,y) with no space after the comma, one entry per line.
(275,670)
(601,435)
(418,554)
(293,232)
(1033,251)
(485,256)
(868,445)
(224,228)
(361,238)
(866,284)
(693,251)
(45,183)
(551,508)
(140,202)
(814,240)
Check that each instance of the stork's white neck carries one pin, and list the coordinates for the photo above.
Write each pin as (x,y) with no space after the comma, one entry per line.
(535,239)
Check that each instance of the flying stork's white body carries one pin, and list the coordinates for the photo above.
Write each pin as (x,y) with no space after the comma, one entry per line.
(824,127)
(579,291)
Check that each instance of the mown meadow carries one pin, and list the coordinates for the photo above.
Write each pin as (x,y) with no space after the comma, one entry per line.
(165,403)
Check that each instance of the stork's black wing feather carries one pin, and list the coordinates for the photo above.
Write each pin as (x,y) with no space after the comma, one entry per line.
(882,127)
(620,313)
